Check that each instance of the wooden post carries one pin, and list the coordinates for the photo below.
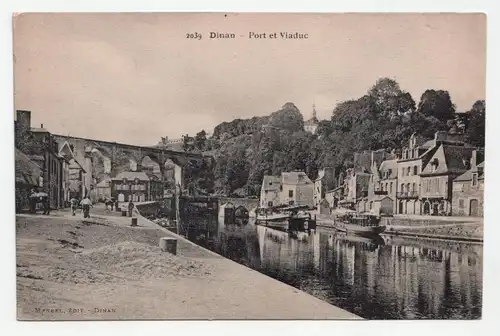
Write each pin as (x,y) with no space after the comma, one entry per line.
(168,244)
(134,221)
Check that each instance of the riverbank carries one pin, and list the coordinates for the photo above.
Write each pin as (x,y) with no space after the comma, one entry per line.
(104,269)
(466,229)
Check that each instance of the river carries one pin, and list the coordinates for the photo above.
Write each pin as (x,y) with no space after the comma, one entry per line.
(387,278)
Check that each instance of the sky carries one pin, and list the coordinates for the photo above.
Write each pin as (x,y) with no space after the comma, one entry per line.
(134,78)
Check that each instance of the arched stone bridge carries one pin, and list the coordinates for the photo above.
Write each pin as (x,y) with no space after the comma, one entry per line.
(116,152)
(248,203)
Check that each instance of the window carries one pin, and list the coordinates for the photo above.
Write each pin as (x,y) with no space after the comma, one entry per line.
(474,179)
(402,188)
(408,171)
(415,170)
(390,188)
(290,193)
(269,204)
(414,187)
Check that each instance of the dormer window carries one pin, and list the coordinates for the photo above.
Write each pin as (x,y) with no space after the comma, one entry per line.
(434,164)
(474,179)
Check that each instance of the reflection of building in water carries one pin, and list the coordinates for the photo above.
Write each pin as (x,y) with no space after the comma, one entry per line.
(316,248)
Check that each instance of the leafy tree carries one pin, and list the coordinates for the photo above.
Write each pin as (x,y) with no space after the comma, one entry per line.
(200,140)
(187,143)
(437,104)
(475,130)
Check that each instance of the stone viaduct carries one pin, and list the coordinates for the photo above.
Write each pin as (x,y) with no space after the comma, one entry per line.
(117,152)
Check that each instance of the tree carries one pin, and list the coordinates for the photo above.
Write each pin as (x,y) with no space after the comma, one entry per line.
(200,140)
(475,131)
(437,104)
(288,118)
(187,143)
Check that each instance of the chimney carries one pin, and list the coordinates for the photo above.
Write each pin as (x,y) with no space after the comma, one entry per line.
(23,118)
(41,125)
(473,159)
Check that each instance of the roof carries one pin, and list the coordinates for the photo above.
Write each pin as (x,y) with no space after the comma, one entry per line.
(295,178)
(27,171)
(455,159)
(467,176)
(389,165)
(131,176)
(378,198)
(38,129)
(270,183)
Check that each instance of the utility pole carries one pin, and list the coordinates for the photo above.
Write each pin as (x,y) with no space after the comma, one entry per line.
(177,208)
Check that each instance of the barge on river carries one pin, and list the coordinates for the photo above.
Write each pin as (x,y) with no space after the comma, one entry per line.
(366,225)
(290,218)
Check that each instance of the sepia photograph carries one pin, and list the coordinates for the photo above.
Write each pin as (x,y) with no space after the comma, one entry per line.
(249,166)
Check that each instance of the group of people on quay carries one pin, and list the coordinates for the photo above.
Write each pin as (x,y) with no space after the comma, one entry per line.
(41,198)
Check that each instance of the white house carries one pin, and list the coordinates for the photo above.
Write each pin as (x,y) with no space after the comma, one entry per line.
(297,189)
(270,192)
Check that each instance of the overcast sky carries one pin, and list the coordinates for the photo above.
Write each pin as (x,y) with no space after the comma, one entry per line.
(134,78)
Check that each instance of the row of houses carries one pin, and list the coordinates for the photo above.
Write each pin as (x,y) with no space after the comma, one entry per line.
(135,186)
(443,176)
(43,165)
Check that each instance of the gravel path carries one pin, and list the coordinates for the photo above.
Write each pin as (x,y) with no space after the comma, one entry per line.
(74,269)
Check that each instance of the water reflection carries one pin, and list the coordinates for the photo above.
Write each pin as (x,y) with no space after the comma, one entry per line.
(384,278)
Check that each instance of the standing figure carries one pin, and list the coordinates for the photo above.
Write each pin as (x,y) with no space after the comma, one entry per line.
(32,201)
(74,204)
(130,208)
(111,203)
(46,205)
(86,204)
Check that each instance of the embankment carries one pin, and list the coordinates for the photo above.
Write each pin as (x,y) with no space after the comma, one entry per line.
(453,228)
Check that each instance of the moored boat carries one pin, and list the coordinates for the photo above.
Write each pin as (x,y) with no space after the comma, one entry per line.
(359,224)
(290,218)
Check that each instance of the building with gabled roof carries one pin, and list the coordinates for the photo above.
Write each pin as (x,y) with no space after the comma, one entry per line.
(448,161)
(270,192)
(296,189)
(468,189)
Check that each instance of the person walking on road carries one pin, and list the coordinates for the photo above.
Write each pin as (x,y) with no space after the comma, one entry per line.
(130,208)
(86,204)
(74,204)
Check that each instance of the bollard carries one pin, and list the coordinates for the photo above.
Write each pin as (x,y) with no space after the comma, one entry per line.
(168,244)
(124,213)
(134,221)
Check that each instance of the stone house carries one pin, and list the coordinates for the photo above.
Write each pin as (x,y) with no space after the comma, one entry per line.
(44,151)
(334,196)
(270,192)
(448,161)
(413,158)
(326,180)
(468,189)
(136,187)
(296,189)
(73,174)
(385,181)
